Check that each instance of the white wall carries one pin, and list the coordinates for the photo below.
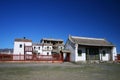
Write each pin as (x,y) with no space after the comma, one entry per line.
(18,50)
(114,53)
(83,55)
(46,50)
(105,57)
(37,49)
(60,47)
(71,48)
(43,49)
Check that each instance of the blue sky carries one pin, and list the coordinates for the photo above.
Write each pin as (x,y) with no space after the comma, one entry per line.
(36,19)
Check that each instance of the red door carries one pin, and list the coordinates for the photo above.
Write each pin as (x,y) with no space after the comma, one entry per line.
(67,59)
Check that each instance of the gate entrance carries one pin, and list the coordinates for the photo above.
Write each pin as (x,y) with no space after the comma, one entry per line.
(65,55)
(92,54)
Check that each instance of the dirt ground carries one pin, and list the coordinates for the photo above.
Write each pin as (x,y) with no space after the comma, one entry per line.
(59,71)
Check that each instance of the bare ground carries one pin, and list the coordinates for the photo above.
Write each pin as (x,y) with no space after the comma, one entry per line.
(59,71)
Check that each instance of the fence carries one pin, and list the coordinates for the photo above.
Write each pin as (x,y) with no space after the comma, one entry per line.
(30,57)
(118,58)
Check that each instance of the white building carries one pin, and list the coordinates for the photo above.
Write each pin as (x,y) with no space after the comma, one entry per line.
(48,46)
(21,46)
(83,49)
(45,47)
(42,49)
(55,45)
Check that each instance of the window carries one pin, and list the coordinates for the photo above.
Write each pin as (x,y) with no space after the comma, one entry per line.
(47,48)
(38,53)
(61,48)
(79,52)
(20,45)
(104,53)
(39,48)
(47,53)
(34,47)
(50,48)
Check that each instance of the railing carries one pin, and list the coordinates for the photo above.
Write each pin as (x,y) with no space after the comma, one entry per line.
(117,58)
(30,57)
(5,57)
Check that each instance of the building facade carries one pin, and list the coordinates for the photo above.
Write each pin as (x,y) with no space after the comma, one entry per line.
(85,49)
(53,45)
(45,47)
(42,49)
(20,46)
(76,49)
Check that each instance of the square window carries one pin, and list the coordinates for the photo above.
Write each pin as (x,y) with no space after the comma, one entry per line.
(79,52)
(20,46)
(47,53)
(104,53)
(48,48)
(34,47)
(39,48)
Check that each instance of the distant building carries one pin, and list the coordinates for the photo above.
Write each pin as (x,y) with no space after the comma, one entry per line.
(85,49)
(48,46)
(45,47)
(42,49)
(6,51)
(57,44)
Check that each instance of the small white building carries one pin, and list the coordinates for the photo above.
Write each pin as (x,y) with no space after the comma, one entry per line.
(47,49)
(20,46)
(42,49)
(54,45)
(37,48)
(84,49)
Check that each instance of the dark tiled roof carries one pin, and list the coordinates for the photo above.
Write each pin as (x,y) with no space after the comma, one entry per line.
(23,40)
(90,41)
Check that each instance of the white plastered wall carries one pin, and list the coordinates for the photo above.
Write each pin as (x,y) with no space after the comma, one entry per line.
(71,49)
(18,50)
(114,53)
(83,55)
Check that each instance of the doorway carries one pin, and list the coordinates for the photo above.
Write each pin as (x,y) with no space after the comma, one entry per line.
(65,57)
(92,54)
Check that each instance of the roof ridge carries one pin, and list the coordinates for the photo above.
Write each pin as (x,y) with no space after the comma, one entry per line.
(51,39)
(23,40)
(87,38)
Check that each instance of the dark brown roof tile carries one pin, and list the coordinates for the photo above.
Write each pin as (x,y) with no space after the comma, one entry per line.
(90,41)
(23,40)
